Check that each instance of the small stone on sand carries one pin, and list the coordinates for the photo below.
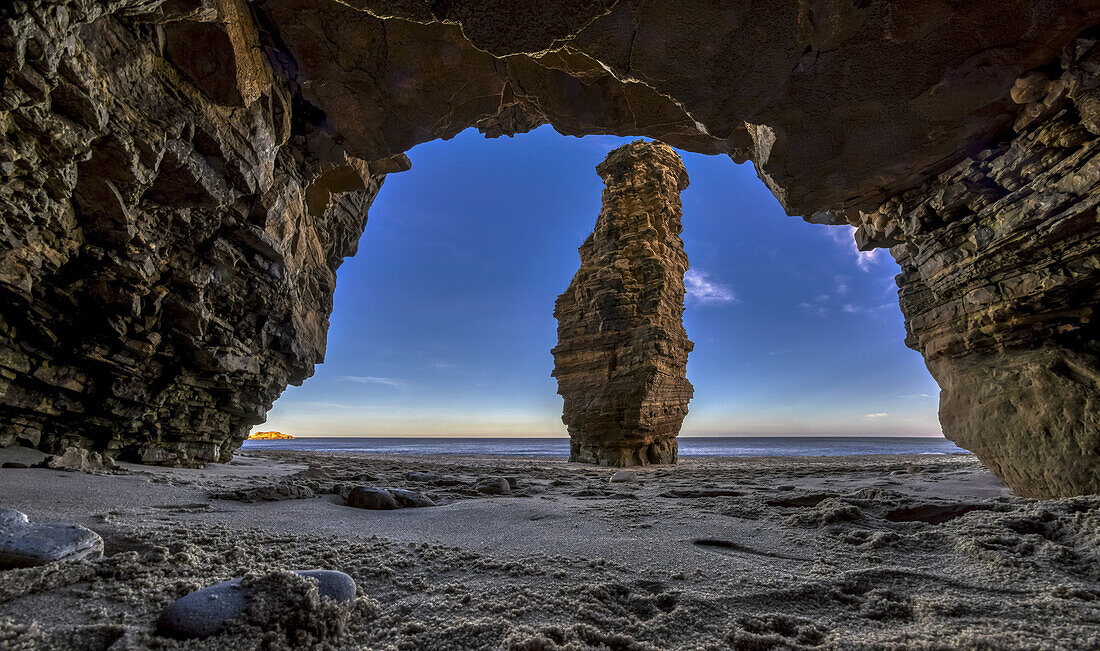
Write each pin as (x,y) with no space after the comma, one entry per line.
(27,544)
(624,476)
(205,612)
(494,486)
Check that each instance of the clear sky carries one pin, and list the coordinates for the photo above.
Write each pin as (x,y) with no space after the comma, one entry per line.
(444,322)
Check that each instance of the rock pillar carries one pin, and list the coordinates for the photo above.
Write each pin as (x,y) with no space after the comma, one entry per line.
(622,350)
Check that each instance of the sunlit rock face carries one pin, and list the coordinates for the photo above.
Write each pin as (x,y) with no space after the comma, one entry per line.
(179,180)
(621,358)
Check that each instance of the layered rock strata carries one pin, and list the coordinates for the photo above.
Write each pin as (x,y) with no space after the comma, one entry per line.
(1000,284)
(172,215)
(621,358)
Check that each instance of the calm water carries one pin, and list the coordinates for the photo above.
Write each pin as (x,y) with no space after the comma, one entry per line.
(758,446)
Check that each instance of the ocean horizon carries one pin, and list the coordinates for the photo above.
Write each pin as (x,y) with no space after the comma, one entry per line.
(689,446)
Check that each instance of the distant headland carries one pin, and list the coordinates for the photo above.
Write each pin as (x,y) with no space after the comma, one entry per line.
(268,435)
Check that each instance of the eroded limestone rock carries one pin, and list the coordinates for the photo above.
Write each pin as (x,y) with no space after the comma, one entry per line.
(172,214)
(1000,281)
(621,358)
(80,460)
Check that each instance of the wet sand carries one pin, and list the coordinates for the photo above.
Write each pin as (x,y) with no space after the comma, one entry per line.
(759,553)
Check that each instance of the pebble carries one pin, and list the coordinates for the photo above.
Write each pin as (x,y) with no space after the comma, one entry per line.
(624,476)
(494,486)
(368,497)
(409,499)
(205,612)
(27,544)
(421,476)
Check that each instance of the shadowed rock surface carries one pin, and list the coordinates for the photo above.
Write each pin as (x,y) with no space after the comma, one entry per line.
(173,217)
(621,358)
(1000,280)
(180,179)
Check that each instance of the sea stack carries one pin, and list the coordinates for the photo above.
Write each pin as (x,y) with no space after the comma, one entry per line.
(621,358)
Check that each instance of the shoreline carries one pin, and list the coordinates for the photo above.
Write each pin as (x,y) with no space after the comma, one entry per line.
(689,447)
(791,552)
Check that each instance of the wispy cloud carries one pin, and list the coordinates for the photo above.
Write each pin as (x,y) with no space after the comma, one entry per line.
(865,260)
(866,309)
(812,308)
(881,414)
(370,379)
(706,292)
(817,306)
(316,404)
(602,144)
(916,395)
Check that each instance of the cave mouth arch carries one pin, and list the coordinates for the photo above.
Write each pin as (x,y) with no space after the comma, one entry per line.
(442,321)
(182,180)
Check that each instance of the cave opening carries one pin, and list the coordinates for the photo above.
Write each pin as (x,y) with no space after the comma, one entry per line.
(443,320)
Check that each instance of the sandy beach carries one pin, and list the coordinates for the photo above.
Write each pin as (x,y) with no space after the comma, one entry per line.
(897,551)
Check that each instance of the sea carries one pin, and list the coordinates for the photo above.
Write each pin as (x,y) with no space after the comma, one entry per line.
(709,446)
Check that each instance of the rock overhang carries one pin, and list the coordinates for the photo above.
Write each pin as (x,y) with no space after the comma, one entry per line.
(839,104)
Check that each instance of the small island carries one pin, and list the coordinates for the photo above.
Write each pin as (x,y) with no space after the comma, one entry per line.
(267,436)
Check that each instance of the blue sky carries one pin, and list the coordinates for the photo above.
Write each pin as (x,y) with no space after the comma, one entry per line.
(444,322)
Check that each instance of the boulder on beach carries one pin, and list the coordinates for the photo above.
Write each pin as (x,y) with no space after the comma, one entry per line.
(268,493)
(80,460)
(410,499)
(386,499)
(375,499)
(494,486)
(312,601)
(27,544)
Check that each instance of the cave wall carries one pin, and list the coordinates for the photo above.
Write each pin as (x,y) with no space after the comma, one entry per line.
(171,220)
(1000,283)
(180,179)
